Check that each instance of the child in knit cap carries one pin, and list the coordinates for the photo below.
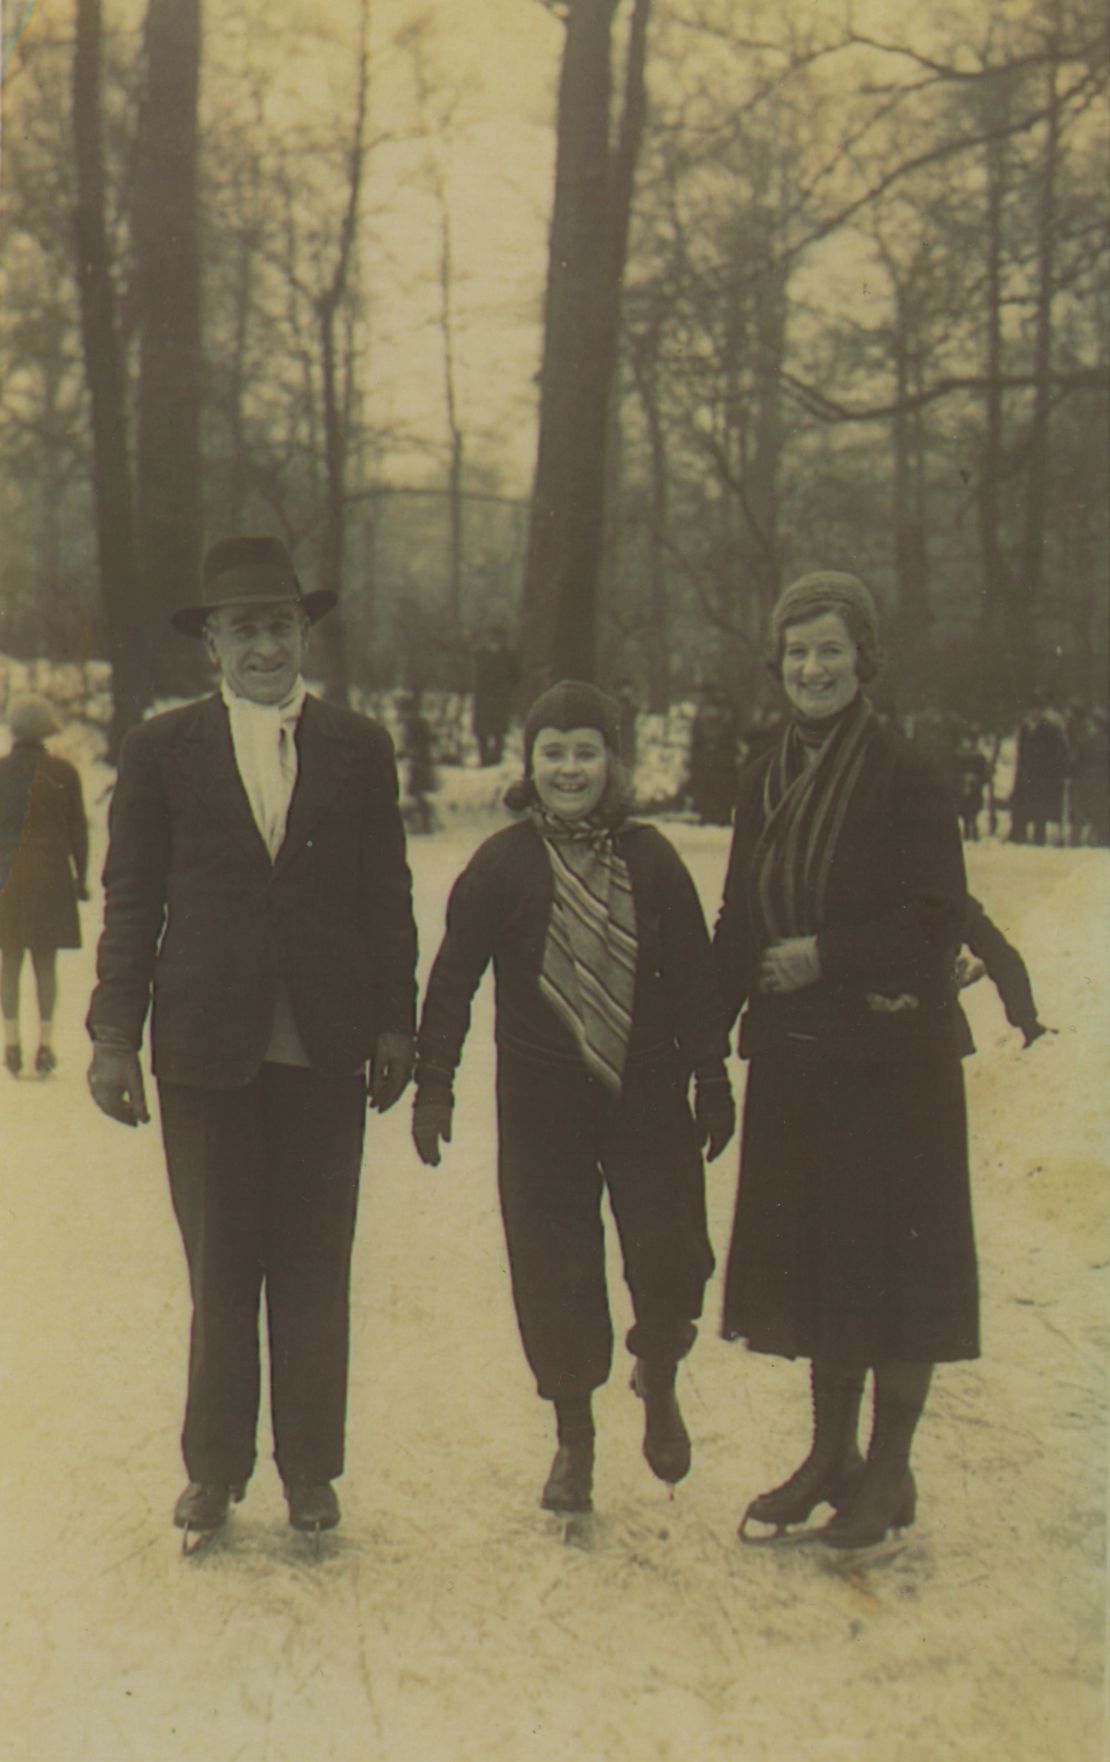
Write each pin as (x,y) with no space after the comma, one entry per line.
(606,1006)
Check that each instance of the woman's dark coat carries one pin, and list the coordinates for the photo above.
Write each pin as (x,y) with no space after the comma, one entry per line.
(853,1237)
(44,849)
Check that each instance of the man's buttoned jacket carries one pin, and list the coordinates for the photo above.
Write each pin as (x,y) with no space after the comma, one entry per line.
(201,921)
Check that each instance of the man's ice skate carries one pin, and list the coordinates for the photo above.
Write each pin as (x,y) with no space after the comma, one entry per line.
(313,1508)
(201,1511)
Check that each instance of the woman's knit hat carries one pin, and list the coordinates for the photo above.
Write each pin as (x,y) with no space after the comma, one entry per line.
(572,704)
(830,590)
(31,717)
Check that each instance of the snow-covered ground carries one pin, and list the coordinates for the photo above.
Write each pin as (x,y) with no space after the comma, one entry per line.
(446,1620)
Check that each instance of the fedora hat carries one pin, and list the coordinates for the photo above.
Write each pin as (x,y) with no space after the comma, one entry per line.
(238,571)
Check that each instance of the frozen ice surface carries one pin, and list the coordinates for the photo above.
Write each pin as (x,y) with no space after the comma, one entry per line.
(447,1621)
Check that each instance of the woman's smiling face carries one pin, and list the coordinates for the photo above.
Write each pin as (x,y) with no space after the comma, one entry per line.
(820,665)
(570,768)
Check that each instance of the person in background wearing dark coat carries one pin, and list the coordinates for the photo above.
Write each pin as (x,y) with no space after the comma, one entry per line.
(606,1005)
(1040,772)
(418,752)
(624,694)
(496,673)
(844,910)
(44,854)
(972,775)
(1090,781)
(256,890)
(713,754)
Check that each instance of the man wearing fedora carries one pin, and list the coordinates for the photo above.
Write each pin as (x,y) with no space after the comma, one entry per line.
(258,900)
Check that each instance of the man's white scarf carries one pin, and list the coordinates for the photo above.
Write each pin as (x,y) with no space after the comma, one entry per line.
(263,737)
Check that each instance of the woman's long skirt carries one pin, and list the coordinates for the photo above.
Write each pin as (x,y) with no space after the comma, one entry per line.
(852,1239)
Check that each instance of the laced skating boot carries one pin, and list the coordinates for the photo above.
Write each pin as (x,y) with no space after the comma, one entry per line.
(829,1473)
(203,1507)
(13,1059)
(45,1061)
(666,1440)
(569,1485)
(313,1505)
(885,1495)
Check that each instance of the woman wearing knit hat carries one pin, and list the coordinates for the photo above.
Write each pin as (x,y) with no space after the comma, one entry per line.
(44,850)
(844,909)
(606,1004)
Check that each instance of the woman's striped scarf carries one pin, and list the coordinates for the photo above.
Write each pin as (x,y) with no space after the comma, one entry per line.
(588,972)
(804,808)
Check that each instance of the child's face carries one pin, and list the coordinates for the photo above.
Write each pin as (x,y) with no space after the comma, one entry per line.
(570,768)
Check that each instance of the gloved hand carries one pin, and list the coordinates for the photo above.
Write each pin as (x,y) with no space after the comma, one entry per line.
(82,887)
(1033,1031)
(390,1069)
(969,970)
(714,1110)
(790,965)
(431,1124)
(116,1084)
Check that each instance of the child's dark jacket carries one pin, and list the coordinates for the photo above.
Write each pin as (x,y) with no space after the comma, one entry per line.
(499,910)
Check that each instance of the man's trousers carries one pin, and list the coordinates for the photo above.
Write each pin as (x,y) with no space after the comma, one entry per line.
(264,1181)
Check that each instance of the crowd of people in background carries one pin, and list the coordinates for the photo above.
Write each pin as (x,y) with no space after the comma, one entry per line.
(1060,792)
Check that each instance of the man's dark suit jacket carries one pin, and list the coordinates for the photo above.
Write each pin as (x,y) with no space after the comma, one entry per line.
(198,916)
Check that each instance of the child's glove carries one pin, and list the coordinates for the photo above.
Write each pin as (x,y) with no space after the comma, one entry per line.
(714,1110)
(432,1111)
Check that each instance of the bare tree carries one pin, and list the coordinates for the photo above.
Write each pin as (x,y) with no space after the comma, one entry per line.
(124,604)
(594,179)
(167,246)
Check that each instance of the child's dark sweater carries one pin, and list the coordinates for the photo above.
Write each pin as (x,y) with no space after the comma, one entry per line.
(499,910)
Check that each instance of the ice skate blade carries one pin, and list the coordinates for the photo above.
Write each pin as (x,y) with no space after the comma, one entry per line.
(194,1542)
(577,1527)
(781,1537)
(846,1561)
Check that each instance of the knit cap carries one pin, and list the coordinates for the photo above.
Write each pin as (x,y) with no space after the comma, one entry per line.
(572,704)
(829,590)
(31,717)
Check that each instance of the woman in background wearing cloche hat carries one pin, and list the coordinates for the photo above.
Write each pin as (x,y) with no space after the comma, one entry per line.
(44,853)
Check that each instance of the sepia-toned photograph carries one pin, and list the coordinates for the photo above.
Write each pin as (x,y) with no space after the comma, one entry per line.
(554,880)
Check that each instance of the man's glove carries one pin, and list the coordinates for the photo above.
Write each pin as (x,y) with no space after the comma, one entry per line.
(431,1124)
(116,1084)
(714,1110)
(1032,1031)
(390,1069)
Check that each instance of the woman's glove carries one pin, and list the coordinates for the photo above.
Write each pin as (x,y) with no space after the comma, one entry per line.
(431,1123)
(714,1110)
(116,1083)
(790,965)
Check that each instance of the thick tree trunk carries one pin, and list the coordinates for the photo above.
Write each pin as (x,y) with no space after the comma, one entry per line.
(589,232)
(337,405)
(124,609)
(170,364)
